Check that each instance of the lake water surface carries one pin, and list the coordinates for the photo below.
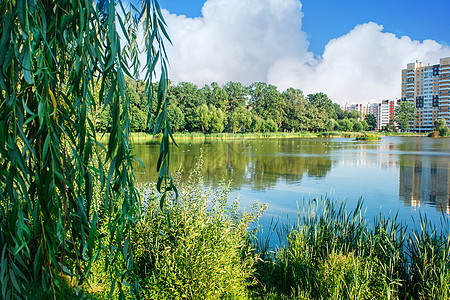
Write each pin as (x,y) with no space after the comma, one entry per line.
(407,175)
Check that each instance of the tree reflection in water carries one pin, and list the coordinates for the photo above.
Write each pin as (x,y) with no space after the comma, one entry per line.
(256,163)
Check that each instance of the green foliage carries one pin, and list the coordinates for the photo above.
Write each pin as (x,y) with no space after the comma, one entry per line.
(236,108)
(357,126)
(267,102)
(444,131)
(371,121)
(334,254)
(404,114)
(202,117)
(257,123)
(239,120)
(365,125)
(440,128)
(330,125)
(356,115)
(270,125)
(176,117)
(198,249)
(345,125)
(65,197)
(217,117)
(367,137)
(296,109)
(237,95)
(216,96)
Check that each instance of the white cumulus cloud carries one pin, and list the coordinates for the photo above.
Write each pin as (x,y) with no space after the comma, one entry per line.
(262,40)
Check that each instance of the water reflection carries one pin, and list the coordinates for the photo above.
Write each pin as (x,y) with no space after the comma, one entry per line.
(258,164)
(397,173)
(425,181)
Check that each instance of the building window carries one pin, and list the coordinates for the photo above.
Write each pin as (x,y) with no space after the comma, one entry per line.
(436,70)
(419,102)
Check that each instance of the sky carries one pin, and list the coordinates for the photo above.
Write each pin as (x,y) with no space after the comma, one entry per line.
(351,50)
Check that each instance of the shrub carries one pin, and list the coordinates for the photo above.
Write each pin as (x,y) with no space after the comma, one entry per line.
(367,137)
(198,248)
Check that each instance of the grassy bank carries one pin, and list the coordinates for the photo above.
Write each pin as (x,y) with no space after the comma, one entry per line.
(143,137)
(204,247)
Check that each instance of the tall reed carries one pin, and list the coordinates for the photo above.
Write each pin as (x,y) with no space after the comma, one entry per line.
(333,253)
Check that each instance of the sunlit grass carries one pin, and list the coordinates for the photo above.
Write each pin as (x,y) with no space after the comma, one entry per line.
(333,253)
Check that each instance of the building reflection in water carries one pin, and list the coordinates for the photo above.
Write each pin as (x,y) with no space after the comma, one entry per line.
(425,181)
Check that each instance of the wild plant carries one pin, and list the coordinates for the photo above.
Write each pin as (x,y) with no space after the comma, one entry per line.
(198,246)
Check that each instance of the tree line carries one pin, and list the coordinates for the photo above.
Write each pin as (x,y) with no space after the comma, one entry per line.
(236,108)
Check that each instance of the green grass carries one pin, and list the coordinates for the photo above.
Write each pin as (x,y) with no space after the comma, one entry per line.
(144,138)
(253,135)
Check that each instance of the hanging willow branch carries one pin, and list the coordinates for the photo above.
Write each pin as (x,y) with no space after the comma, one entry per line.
(66,199)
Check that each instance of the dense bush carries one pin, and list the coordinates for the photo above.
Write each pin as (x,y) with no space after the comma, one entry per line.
(198,248)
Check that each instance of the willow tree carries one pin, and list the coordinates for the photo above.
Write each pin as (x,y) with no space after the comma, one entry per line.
(66,199)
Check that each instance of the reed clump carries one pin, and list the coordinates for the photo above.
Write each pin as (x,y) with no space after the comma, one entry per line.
(332,253)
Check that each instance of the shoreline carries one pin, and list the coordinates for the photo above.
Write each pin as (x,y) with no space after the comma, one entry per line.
(143,137)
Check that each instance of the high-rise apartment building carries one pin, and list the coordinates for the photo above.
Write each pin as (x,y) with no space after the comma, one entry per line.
(385,113)
(428,88)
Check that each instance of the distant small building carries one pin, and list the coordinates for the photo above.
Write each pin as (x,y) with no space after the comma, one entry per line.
(383,111)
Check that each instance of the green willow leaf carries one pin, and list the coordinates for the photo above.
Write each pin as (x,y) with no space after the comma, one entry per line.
(68,199)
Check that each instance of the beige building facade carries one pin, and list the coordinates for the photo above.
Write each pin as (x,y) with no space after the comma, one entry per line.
(427,87)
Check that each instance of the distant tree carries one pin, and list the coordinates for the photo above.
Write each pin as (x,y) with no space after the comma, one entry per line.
(257,123)
(365,125)
(338,111)
(216,96)
(295,110)
(270,125)
(319,111)
(188,97)
(330,125)
(239,120)
(267,102)
(357,126)
(404,114)
(345,125)
(176,117)
(441,127)
(217,118)
(325,106)
(353,115)
(237,95)
(371,121)
(201,118)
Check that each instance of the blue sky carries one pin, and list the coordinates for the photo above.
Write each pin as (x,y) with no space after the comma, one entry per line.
(352,50)
(324,20)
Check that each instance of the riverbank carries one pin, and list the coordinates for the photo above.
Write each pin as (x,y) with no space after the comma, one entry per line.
(143,137)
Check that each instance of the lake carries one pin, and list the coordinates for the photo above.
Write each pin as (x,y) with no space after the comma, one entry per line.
(404,175)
